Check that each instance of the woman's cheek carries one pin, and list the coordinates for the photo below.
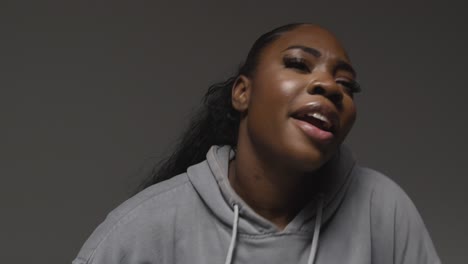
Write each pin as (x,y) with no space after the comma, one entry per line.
(288,87)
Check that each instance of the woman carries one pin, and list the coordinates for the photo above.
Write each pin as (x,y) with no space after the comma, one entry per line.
(261,176)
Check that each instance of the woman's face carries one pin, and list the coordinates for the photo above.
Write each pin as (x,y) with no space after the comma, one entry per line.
(300,105)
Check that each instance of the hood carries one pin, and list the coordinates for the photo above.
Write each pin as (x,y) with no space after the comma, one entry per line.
(210,181)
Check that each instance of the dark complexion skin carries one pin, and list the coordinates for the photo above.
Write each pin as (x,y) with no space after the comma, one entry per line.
(276,158)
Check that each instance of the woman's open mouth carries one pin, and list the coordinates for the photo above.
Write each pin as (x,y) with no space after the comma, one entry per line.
(317,121)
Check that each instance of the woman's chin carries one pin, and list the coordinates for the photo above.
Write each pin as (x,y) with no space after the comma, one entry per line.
(308,158)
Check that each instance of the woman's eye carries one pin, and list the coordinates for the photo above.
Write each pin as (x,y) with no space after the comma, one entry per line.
(296,63)
(351,86)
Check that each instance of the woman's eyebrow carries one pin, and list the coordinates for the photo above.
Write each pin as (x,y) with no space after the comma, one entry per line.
(341,65)
(309,50)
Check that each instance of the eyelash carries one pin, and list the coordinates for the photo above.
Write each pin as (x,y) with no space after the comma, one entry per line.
(352,86)
(296,63)
(301,65)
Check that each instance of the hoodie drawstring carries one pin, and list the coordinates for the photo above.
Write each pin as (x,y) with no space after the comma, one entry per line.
(318,223)
(314,246)
(232,245)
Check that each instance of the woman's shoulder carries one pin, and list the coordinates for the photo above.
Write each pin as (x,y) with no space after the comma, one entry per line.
(377,183)
(394,219)
(154,202)
(159,195)
(137,219)
(383,194)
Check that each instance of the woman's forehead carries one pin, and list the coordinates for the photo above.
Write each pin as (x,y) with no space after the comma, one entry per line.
(310,36)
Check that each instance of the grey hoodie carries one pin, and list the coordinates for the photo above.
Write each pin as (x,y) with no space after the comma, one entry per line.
(360,217)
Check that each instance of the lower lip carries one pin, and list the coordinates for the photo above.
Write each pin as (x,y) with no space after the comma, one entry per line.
(314,132)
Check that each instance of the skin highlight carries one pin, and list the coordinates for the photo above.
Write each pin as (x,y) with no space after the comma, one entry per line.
(275,163)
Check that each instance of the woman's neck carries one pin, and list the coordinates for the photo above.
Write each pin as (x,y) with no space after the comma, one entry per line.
(274,192)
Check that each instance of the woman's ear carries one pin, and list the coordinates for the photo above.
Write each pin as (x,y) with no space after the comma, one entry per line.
(241,93)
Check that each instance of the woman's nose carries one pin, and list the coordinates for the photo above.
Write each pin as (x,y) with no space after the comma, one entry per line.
(325,85)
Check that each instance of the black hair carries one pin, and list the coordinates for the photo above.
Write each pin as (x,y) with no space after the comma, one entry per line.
(216,122)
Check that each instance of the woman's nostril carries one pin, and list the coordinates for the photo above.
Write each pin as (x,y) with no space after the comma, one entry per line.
(335,97)
(318,90)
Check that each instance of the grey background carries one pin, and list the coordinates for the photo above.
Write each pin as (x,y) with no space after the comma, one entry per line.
(93,92)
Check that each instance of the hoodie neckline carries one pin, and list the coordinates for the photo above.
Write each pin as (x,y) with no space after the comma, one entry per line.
(210,180)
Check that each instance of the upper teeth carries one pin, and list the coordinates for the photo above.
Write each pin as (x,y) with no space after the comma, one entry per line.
(319,116)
